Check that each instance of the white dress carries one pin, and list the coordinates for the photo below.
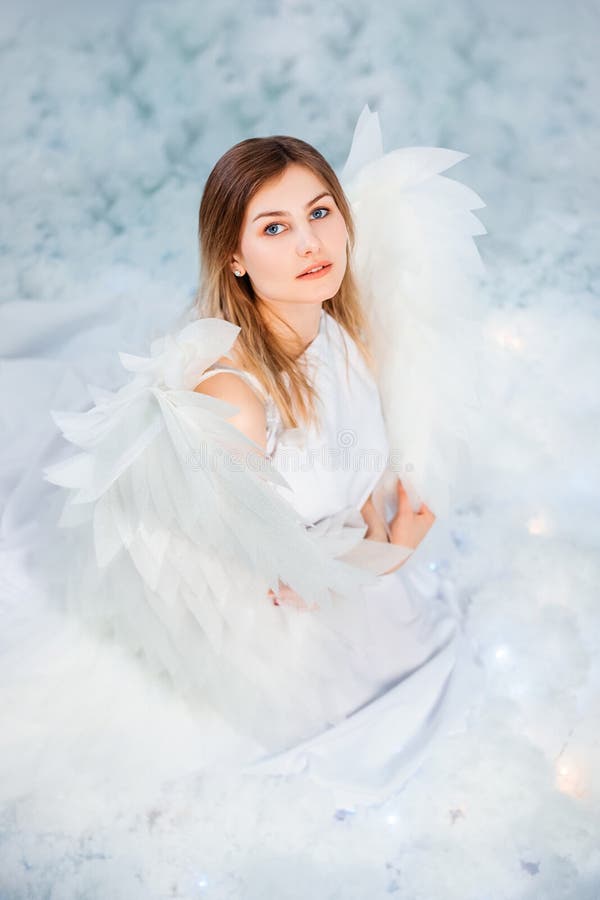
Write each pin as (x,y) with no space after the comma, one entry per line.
(401,667)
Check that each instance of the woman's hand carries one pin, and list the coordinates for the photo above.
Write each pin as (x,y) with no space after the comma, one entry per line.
(288,597)
(408,527)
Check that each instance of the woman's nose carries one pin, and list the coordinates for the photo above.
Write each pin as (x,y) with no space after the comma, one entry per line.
(308,241)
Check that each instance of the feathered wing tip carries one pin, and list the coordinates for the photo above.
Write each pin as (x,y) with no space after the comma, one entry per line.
(367,144)
(419,269)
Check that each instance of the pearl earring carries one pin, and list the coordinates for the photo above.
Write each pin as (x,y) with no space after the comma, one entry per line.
(237,273)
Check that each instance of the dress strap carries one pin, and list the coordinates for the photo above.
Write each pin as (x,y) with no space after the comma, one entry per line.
(251,379)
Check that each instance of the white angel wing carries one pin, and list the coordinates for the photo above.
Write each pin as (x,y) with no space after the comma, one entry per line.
(418,270)
(175,534)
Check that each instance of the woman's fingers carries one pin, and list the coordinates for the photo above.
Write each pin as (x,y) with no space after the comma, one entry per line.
(425,511)
(405,506)
(401,493)
(290,597)
(405,509)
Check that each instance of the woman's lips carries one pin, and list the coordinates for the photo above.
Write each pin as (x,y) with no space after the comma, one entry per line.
(318,274)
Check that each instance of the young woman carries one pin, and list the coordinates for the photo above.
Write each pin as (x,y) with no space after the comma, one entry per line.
(275,232)
(205,568)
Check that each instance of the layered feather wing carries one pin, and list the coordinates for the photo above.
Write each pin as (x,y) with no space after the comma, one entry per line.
(419,271)
(176,534)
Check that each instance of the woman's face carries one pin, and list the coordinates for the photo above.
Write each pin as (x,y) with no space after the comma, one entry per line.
(292,223)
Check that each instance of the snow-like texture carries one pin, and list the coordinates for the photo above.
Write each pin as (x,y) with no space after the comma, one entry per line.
(112,120)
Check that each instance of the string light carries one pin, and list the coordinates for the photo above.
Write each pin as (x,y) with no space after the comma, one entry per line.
(538,525)
(570,779)
(509,341)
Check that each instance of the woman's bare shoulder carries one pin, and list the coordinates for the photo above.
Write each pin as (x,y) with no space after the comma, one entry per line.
(234,389)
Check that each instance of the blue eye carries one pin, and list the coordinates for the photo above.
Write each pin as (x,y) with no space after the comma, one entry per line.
(323,209)
(272,225)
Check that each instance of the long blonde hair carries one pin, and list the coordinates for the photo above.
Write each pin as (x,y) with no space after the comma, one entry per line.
(232,183)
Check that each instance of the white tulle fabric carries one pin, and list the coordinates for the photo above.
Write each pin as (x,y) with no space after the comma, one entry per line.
(174,525)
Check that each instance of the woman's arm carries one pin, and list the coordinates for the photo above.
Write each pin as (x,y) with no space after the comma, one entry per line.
(407,528)
(251,421)
(377,529)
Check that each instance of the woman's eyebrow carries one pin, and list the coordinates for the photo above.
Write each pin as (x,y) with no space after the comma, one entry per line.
(284,212)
